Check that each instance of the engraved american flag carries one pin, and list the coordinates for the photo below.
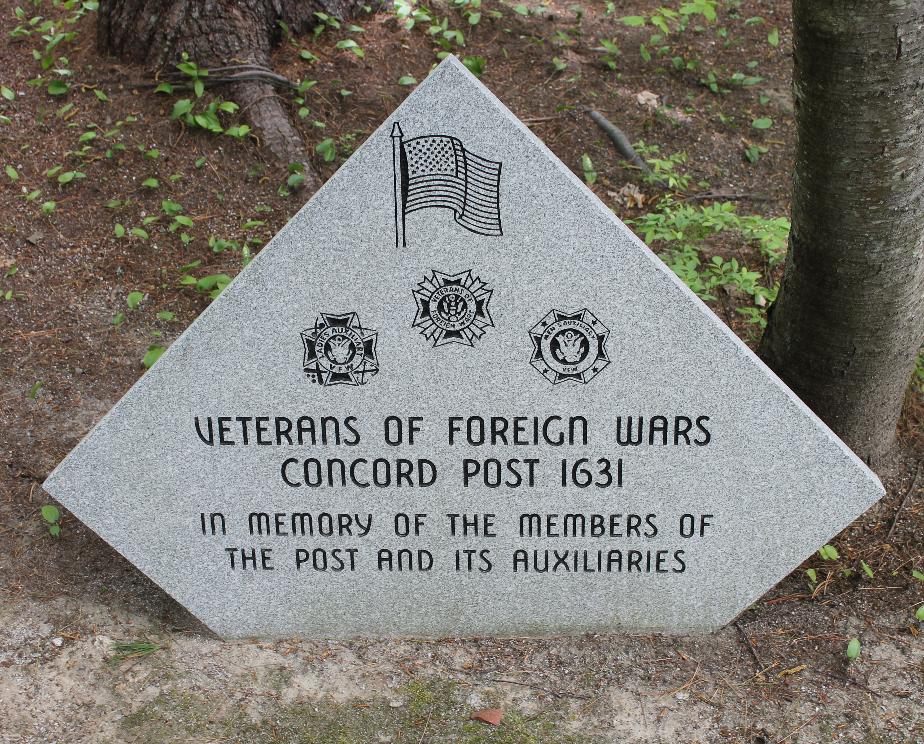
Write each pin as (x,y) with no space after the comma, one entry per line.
(437,171)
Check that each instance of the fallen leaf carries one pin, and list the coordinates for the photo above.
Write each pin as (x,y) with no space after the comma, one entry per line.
(629,195)
(488,715)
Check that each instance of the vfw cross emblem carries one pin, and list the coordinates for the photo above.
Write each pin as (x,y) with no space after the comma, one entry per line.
(339,351)
(452,308)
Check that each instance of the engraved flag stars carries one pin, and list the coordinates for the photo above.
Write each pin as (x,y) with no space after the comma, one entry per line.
(437,171)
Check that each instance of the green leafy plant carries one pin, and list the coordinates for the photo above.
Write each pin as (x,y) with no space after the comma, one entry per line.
(610,51)
(51,516)
(680,231)
(753,152)
(196,74)
(665,171)
(211,285)
(327,149)
(352,46)
(412,15)
(470,9)
(667,21)
(828,553)
(325,22)
(475,65)
(207,117)
(153,353)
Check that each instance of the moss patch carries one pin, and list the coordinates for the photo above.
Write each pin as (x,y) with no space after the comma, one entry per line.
(432,711)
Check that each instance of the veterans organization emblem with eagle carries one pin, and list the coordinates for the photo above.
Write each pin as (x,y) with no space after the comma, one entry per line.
(452,308)
(569,346)
(340,351)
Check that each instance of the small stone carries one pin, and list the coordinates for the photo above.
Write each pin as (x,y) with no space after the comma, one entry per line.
(57,642)
(395,703)
(647,99)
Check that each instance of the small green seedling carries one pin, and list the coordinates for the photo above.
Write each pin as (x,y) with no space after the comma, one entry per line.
(154,353)
(919,613)
(853,649)
(828,553)
(52,516)
(326,149)
(475,65)
(590,174)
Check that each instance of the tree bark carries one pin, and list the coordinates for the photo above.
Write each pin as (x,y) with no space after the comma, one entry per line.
(849,319)
(215,33)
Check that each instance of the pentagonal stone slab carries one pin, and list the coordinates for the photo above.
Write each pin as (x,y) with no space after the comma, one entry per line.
(456,396)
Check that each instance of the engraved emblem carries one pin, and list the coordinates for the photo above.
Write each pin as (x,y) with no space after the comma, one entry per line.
(569,346)
(452,308)
(339,351)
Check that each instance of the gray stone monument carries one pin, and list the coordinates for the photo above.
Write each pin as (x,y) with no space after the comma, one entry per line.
(456,396)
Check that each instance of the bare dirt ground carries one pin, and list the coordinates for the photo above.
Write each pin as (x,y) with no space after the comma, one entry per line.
(72,249)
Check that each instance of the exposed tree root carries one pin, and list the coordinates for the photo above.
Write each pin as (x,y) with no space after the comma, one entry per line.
(215,34)
(262,106)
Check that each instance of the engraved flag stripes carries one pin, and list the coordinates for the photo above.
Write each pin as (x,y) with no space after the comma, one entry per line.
(436,171)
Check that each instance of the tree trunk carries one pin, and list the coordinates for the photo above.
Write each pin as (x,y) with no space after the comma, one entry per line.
(217,33)
(849,319)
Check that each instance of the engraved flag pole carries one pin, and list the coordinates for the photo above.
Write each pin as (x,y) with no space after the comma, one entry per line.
(397,137)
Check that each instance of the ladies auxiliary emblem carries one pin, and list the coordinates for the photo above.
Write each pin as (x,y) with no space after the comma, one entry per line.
(339,351)
(569,346)
(452,308)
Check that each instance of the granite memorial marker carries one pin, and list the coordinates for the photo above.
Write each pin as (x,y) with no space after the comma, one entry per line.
(456,396)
